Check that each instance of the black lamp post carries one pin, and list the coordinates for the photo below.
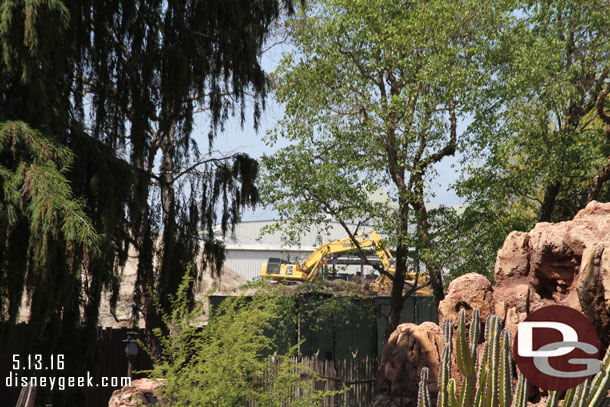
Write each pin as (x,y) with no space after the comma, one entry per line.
(131,349)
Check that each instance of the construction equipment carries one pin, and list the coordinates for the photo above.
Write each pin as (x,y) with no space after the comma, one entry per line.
(309,269)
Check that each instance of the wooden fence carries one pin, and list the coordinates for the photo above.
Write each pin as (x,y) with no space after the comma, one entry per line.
(355,376)
(360,375)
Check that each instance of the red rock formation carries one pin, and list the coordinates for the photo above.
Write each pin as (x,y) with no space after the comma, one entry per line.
(469,291)
(555,263)
(564,263)
(409,348)
(140,393)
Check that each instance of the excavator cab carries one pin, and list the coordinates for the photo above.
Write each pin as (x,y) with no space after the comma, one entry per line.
(274,265)
(280,269)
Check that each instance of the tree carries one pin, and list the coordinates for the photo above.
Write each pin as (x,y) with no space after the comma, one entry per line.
(539,152)
(542,140)
(374,92)
(466,239)
(38,206)
(118,84)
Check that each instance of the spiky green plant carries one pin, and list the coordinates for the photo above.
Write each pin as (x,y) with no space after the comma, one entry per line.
(590,393)
(488,382)
(423,396)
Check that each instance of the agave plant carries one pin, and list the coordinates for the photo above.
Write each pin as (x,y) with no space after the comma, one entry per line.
(488,381)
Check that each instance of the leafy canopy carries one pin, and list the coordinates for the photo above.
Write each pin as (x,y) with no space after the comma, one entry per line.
(533,153)
(374,92)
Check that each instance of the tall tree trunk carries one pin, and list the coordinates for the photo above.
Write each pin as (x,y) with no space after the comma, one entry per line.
(396,297)
(168,203)
(598,182)
(434,271)
(603,175)
(548,203)
(398,281)
(145,283)
(145,286)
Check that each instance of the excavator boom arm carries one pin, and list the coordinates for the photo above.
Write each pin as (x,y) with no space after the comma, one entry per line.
(330,248)
(309,269)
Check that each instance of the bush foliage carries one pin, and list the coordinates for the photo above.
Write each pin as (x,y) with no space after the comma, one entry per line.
(235,358)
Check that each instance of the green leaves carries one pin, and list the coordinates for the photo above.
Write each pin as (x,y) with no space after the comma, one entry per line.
(374,93)
(117,85)
(48,244)
(26,20)
(536,142)
(229,361)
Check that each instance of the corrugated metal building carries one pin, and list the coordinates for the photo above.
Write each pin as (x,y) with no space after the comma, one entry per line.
(248,248)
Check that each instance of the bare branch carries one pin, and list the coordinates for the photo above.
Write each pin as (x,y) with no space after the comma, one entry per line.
(600,105)
(276,43)
(200,162)
(449,148)
(345,113)
(396,172)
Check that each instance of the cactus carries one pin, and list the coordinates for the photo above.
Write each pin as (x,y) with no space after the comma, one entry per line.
(521,392)
(488,383)
(600,383)
(452,393)
(423,395)
(494,371)
(553,399)
(444,373)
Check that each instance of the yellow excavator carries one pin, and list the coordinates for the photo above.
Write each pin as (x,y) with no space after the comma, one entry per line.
(309,269)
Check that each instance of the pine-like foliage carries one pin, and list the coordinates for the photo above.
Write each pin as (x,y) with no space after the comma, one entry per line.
(97,105)
(488,381)
(36,193)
